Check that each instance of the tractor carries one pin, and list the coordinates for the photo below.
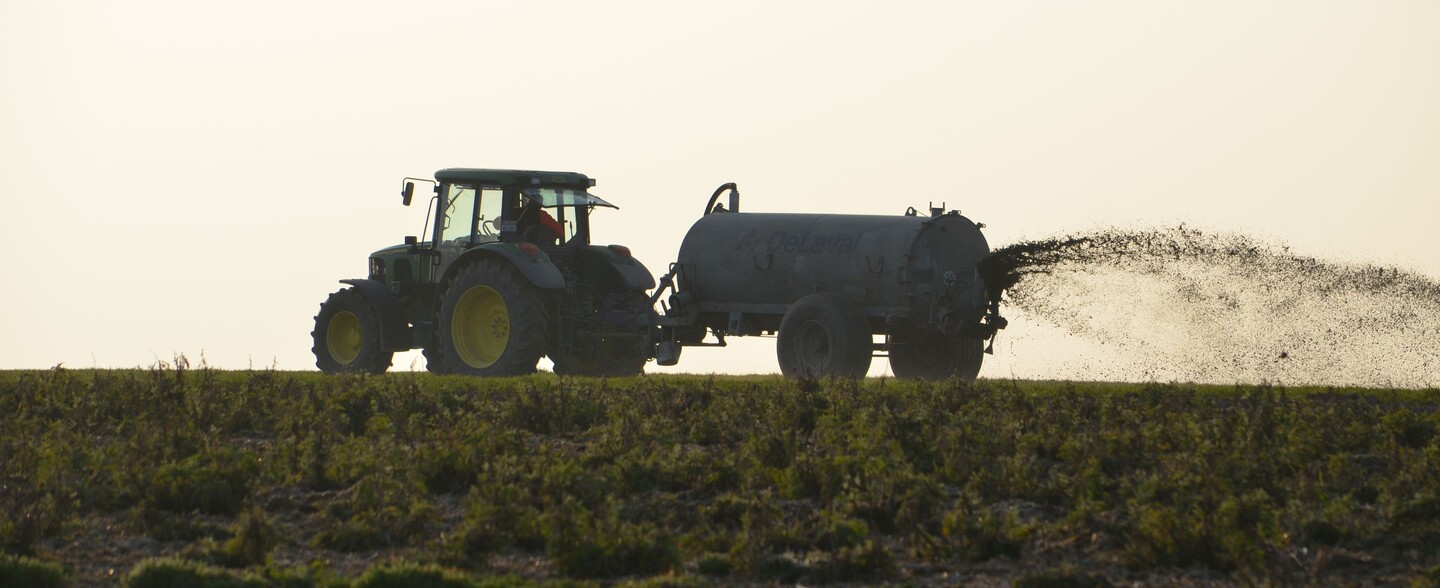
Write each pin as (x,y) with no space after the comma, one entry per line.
(505,274)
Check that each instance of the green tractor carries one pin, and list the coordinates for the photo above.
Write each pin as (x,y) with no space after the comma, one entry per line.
(506,274)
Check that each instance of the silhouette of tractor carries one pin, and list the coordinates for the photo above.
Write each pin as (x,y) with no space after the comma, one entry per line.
(505,274)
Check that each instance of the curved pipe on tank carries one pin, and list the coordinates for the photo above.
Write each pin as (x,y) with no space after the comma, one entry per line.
(734,197)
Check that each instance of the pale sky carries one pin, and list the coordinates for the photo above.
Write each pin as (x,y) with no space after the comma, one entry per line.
(188,177)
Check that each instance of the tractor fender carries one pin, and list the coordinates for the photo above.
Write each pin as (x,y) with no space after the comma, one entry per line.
(394,331)
(633,274)
(537,268)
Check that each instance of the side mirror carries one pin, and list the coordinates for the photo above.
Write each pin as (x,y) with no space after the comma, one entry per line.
(407,193)
(411,240)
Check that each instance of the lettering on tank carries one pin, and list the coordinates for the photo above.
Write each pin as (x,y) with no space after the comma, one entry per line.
(787,242)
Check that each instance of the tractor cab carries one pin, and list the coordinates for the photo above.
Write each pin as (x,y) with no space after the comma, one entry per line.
(483,205)
(480,207)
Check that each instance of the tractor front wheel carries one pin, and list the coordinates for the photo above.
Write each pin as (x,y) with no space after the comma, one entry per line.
(492,322)
(347,336)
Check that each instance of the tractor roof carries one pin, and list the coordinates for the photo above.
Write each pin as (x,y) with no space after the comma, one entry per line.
(506,177)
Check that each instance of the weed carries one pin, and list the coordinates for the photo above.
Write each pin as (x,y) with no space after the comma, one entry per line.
(984,533)
(713,565)
(407,575)
(171,572)
(867,561)
(1064,577)
(24,571)
(252,537)
(214,482)
(381,512)
(598,545)
(667,581)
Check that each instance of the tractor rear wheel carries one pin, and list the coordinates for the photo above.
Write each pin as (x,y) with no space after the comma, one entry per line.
(492,322)
(933,357)
(824,335)
(347,336)
(613,357)
(435,357)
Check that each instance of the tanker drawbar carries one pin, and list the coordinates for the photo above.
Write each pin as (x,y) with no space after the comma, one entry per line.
(827,284)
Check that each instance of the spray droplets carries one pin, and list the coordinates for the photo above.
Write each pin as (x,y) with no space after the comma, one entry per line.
(1182,304)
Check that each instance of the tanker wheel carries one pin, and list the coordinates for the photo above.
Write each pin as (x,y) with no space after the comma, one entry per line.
(932,357)
(347,336)
(824,335)
(492,322)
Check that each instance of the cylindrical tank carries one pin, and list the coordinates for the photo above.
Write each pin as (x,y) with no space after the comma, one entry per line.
(911,273)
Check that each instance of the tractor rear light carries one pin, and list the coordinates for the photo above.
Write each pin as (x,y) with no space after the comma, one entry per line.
(620,250)
(529,249)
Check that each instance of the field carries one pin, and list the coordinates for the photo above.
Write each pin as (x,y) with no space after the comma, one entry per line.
(173,474)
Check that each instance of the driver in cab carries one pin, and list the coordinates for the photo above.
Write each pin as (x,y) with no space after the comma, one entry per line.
(537,226)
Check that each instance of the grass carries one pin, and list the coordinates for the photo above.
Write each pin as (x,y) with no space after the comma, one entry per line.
(298,479)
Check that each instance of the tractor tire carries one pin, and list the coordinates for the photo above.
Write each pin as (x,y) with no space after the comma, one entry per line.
(623,358)
(435,357)
(492,322)
(615,357)
(823,336)
(932,357)
(347,336)
(618,358)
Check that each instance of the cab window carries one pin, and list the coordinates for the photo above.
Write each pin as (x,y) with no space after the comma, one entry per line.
(465,214)
(459,213)
(488,220)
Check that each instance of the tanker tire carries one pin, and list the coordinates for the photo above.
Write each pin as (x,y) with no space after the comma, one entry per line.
(931,357)
(347,336)
(492,322)
(823,336)
(969,354)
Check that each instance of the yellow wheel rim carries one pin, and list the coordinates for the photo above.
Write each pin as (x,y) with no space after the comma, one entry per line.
(342,337)
(480,327)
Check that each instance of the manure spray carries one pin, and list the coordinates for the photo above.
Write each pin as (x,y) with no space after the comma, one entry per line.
(1187,305)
